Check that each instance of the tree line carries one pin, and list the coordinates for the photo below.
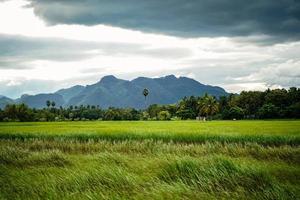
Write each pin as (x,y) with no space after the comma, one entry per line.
(269,104)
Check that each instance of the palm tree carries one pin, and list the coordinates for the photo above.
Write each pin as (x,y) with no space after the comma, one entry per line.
(145,93)
(53,104)
(48,103)
(208,106)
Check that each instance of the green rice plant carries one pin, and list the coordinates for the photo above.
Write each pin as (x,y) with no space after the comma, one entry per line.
(150,160)
(220,174)
(267,133)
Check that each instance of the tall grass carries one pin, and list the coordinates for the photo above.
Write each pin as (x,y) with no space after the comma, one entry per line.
(150,160)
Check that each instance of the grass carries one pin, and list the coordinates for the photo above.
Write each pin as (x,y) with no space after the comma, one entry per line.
(150,160)
(262,132)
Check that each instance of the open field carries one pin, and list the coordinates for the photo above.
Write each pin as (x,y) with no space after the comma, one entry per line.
(150,160)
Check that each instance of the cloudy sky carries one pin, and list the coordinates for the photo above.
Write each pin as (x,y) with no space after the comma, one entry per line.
(240,45)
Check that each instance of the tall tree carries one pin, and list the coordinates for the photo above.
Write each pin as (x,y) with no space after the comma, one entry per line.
(208,106)
(251,101)
(53,104)
(48,103)
(145,93)
(188,108)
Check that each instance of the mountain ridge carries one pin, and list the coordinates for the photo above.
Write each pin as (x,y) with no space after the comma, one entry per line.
(111,91)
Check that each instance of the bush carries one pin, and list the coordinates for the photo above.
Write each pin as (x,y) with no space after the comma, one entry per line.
(145,115)
(164,115)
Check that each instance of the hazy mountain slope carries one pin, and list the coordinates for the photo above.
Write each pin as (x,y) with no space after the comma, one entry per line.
(68,93)
(39,100)
(111,91)
(4,101)
(184,86)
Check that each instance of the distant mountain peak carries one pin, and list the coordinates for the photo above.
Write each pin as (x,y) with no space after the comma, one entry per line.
(140,78)
(171,76)
(108,78)
(24,95)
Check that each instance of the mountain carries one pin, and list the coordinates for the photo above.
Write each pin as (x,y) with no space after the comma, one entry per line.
(39,100)
(111,91)
(4,101)
(69,93)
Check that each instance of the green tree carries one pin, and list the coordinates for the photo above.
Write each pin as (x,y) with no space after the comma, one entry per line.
(277,97)
(145,115)
(293,111)
(208,106)
(268,111)
(10,112)
(153,110)
(294,95)
(24,113)
(250,101)
(172,109)
(53,104)
(164,115)
(48,103)
(145,93)
(1,115)
(112,114)
(71,116)
(188,108)
(233,113)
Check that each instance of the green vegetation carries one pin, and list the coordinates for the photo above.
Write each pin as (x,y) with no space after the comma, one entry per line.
(262,132)
(150,160)
(271,104)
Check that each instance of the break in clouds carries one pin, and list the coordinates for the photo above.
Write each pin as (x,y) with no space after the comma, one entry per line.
(234,44)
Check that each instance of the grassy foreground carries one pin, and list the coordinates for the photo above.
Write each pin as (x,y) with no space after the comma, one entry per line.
(150,160)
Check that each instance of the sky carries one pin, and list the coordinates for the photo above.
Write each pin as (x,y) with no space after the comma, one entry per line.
(46,45)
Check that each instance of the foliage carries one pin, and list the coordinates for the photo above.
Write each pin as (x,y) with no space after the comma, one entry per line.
(250,101)
(293,111)
(277,103)
(188,108)
(233,113)
(164,115)
(268,111)
(145,92)
(19,112)
(270,104)
(208,106)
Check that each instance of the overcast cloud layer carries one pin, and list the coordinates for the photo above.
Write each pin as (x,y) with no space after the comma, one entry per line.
(278,19)
(49,44)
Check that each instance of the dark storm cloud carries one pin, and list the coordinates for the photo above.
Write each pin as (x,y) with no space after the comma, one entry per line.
(279,19)
(16,52)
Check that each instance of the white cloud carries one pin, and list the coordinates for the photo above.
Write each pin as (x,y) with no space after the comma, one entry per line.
(94,51)
(284,74)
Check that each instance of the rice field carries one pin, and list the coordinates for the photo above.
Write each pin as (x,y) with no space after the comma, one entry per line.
(150,160)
